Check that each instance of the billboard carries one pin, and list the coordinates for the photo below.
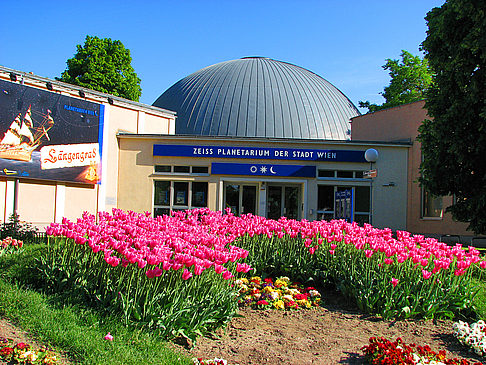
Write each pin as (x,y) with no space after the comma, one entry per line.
(49,136)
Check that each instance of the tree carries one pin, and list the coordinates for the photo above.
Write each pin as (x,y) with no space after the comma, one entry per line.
(103,65)
(410,77)
(454,141)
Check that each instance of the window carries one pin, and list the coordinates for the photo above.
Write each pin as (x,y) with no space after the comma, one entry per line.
(339,174)
(200,169)
(326,173)
(162,168)
(326,202)
(200,194)
(431,205)
(181,169)
(345,174)
(179,195)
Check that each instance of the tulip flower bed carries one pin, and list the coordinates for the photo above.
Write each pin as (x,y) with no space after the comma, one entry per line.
(10,245)
(172,273)
(381,351)
(473,336)
(279,294)
(22,353)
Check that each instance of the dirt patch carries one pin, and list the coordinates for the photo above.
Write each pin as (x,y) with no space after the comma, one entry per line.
(332,334)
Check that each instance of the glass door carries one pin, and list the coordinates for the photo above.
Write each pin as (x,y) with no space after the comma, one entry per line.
(283,200)
(242,199)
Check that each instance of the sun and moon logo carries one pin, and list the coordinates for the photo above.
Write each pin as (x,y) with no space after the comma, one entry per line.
(264,169)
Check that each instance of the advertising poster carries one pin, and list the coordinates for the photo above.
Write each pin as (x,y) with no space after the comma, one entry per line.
(344,205)
(48,136)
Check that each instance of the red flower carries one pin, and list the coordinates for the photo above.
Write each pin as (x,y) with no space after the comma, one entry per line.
(22,346)
(6,351)
(262,302)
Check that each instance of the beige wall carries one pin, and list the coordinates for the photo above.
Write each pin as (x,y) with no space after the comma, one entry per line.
(402,123)
(136,174)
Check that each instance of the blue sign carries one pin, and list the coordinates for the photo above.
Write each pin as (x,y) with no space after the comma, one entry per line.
(258,153)
(262,169)
(344,205)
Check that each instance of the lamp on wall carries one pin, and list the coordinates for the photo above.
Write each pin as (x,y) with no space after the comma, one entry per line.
(49,86)
(110,101)
(81,93)
(13,77)
(371,155)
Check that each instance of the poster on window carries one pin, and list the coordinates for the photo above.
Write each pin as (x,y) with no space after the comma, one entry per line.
(49,136)
(344,205)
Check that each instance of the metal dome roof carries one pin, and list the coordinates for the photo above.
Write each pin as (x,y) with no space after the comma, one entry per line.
(259,97)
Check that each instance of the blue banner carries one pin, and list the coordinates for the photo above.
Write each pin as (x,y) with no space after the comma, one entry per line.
(262,169)
(259,153)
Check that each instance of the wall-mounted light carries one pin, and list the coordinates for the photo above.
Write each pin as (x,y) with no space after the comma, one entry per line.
(110,101)
(13,77)
(49,86)
(391,183)
(81,93)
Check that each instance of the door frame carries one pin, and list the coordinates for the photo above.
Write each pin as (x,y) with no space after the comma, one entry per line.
(283,197)
(262,192)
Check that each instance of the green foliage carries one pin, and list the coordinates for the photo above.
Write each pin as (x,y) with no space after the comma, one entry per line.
(287,256)
(103,65)
(81,333)
(410,78)
(454,141)
(366,281)
(18,229)
(167,304)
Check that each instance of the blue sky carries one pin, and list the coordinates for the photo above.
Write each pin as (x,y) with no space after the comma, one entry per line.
(345,42)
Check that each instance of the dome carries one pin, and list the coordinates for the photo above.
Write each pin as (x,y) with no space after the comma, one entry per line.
(259,97)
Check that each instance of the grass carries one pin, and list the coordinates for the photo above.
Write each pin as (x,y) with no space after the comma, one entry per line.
(73,329)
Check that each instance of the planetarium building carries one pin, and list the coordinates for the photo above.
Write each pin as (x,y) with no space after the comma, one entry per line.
(255,135)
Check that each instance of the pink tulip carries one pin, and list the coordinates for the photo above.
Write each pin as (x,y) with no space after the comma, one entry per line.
(108,337)
(394,282)
(186,274)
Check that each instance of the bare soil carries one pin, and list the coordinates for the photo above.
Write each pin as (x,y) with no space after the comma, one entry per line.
(331,334)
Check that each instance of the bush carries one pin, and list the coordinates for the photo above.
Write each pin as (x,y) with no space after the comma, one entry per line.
(18,229)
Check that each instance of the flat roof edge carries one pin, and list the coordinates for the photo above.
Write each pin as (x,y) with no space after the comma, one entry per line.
(98,94)
(122,134)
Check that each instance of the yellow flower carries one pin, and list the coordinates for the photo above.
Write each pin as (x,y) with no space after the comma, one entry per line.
(248,297)
(287,298)
(268,289)
(280,283)
(256,278)
(304,303)
(279,304)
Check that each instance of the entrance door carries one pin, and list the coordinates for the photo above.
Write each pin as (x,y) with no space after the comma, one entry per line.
(240,198)
(283,201)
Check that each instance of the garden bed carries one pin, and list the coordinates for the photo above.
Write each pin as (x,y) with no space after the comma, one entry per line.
(331,334)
